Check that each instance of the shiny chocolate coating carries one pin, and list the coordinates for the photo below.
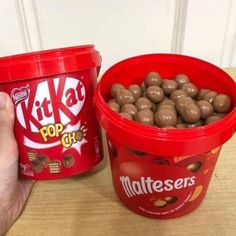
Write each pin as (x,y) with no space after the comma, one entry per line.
(155,93)
(191,113)
(145,117)
(212,119)
(175,95)
(129,108)
(114,105)
(222,103)
(190,89)
(181,79)
(116,88)
(171,199)
(182,102)
(167,101)
(206,108)
(210,96)
(221,115)
(181,126)
(160,203)
(201,93)
(136,90)
(168,127)
(166,106)
(193,125)
(124,96)
(165,117)
(143,104)
(194,167)
(169,86)
(153,78)
(126,115)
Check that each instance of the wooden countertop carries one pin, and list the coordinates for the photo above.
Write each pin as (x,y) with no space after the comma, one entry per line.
(87,205)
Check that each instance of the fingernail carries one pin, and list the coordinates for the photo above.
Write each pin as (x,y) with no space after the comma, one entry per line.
(2,101)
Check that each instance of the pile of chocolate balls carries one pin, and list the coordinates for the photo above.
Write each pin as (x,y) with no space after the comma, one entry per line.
(176,103)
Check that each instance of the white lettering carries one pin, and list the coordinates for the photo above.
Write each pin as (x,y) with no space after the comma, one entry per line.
(148,185)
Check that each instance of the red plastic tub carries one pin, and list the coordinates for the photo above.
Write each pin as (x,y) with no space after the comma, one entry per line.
(151,166)
(52,91)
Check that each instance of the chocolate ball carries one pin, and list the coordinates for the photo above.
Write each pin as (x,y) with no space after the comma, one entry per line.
(169,86)
(153,78)
(182,102)
(160,203)
(145,117)
(143,104)
(181,126)
(155,93)
(193,125)
(212,119)
(129,108)
(222,103)
(177,94)
(191,113)
(201,93)
(126,115)
(167,101)
(194,167)
(210,96)
(165,117)
(206,108)
(124,96)
(171,200)
(114,105)
(221,115)
(181,79)
(135,90)
(190,89)
(166,106)
(116,88)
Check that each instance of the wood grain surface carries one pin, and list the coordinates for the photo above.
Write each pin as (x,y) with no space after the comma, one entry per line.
(87,205)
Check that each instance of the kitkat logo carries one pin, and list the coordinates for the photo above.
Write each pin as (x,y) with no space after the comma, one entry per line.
(19,94)
(57,100)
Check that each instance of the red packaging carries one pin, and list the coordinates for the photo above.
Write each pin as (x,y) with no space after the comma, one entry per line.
(163,173)
(52,91)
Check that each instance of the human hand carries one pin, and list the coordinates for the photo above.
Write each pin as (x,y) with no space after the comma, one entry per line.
(13,191)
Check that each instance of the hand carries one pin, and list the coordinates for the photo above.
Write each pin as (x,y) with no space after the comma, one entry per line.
(13,191)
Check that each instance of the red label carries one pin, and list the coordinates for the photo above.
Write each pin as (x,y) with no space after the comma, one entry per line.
(56,128)
(160,187)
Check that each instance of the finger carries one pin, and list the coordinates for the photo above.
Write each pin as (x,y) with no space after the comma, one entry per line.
(7,138)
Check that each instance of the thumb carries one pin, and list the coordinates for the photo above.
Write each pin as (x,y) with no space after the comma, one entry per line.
(8,146)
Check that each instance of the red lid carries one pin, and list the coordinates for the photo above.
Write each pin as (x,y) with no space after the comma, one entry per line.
(168,142)
(48,62)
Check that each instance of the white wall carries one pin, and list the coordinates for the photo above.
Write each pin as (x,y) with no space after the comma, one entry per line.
(119,29)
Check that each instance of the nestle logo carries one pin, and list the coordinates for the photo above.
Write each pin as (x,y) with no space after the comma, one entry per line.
(19,94)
